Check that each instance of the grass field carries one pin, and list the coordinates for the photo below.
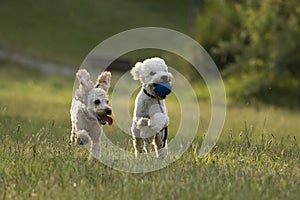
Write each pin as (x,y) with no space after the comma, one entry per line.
(257,156)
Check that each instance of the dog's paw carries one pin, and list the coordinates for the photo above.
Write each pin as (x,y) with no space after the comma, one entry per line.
(82,141)
(163,152)
(158,121)
(83,138)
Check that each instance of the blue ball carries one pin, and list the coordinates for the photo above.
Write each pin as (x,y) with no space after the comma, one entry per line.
(163,89)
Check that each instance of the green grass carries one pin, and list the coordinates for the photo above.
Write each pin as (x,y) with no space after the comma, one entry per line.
(66,31)
(44,167)
(257,156)
(41,97)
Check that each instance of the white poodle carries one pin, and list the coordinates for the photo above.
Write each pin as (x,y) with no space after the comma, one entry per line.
(150,120)
(90,110)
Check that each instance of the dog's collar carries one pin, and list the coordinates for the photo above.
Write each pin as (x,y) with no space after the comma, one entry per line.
(149,95)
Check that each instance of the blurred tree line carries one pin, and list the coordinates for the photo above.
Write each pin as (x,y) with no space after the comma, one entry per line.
(255,43)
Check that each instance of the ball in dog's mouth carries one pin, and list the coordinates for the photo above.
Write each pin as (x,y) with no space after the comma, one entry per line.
(104,119)
(162,89)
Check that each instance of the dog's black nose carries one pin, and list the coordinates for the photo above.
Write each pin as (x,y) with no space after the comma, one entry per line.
(164,78)
(108,111)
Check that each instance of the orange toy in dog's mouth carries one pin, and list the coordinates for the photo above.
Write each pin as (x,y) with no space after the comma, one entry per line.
(103,119)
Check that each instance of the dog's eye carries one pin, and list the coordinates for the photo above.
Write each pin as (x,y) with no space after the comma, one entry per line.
(152,73)
(97,102)
(107,102)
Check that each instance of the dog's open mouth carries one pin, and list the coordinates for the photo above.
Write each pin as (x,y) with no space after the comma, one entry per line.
(104,119)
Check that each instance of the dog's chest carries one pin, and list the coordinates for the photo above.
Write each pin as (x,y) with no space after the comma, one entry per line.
(146,107)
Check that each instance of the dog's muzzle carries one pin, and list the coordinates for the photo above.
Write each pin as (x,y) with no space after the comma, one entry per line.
(104,118)
(162,89)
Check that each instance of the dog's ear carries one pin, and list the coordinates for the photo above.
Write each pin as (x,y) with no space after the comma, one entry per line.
(103,81)
(135,71)
(84,79)
(85,85)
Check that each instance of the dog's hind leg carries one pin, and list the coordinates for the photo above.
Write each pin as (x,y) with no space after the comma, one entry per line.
(139,146)
(73,134)
(138,142)
(160,146)
(155,146)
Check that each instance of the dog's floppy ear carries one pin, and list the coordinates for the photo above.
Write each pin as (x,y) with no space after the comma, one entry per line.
(135,71)
(103,81)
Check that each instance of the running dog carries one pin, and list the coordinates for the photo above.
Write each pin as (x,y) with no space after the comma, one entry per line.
(90,110)
(150,120)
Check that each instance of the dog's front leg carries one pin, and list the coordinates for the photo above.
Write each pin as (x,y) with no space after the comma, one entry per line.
(82,138)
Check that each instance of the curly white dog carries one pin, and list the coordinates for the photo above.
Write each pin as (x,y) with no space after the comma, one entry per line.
(150,118)
(90,110)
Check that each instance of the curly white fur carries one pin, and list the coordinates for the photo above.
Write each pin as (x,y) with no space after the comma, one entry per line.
(90,110)
(148,120)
